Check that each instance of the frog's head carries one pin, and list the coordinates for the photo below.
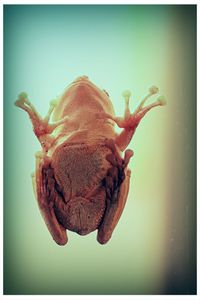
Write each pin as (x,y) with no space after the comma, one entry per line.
(82,93)
(82,86)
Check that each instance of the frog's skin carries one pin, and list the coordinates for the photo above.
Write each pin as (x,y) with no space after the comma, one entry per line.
(81,182)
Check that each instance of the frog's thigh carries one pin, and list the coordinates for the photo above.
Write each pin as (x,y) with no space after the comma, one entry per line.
(45,198)
(114,210)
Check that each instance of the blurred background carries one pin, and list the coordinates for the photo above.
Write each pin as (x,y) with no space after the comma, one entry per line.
(153,248)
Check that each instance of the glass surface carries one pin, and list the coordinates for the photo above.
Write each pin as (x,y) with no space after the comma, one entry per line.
(153,248)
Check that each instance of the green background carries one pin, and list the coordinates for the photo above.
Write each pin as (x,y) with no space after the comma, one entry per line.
(153,249)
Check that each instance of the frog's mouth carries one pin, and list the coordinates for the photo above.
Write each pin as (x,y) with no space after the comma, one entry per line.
(81,78)
(84,81)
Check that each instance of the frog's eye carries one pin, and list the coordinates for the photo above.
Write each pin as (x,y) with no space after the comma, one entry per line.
(106,93)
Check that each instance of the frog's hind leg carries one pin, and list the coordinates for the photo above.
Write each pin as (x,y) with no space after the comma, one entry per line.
(43,183)
(117,187)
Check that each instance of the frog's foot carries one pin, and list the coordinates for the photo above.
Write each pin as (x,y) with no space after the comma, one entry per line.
(116,184)
(46,195)
(41,126)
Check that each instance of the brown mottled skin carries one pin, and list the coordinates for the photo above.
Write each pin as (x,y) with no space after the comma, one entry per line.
(81,181)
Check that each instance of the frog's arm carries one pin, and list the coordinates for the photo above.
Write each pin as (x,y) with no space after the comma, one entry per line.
(41,126)
(130,121)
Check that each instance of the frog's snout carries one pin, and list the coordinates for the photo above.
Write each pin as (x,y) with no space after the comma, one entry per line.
(81,78)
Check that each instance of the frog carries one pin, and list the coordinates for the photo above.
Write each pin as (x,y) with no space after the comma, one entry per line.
(82,176)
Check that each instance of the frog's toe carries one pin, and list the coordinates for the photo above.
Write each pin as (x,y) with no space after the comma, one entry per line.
(23,95)
(162,100)
(22,99)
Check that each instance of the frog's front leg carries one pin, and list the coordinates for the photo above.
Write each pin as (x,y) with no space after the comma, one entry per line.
(46,195)
(41,126)
(130,120)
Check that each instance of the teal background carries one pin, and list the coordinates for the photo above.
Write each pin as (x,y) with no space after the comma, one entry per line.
(153,249)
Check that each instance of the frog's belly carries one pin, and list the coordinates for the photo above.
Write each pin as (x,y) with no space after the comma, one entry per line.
(79,171)
(82,215)
(80,168)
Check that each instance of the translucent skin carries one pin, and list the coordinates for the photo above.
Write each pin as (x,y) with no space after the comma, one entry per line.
(81,181)
(84,103)
(82,97)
